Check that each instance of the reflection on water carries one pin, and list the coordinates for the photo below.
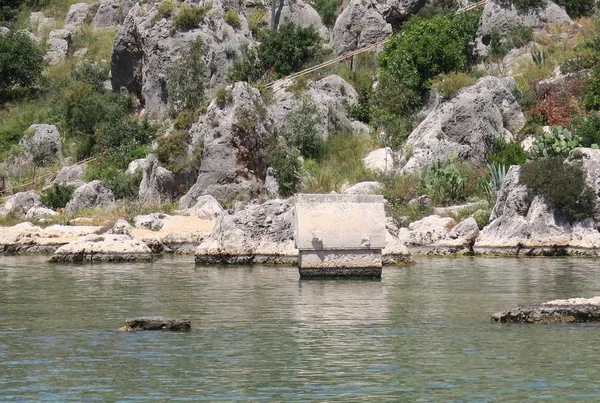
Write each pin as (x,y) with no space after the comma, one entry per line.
(422,333)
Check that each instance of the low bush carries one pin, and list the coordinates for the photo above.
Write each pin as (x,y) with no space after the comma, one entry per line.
(587,129)
(450,84)
(189,17)
(112,135)
(173,152)
(591,93)
(327,10)
(21,63)
(557,143)
(528,4)
(521,36)
(57,196)
(186,119)
(257,20)
(558,109)
(286,163)
(166,8)
(185,79)
(232,17)
(562,186)
(361,110)
(223,96)
(301,129)
(577,8)
(444,183)
(507,153)
(499,45)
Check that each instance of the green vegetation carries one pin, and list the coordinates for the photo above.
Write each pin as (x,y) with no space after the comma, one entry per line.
(521,36)
(57,196)
(301,129)
(189,17)
(232,17)
(173,153)
(588,130)
(257,20)
(185,79)
(528,4)
(507,153)
(562,186)
(281,52)
(286,163)
(166,8)
(577,8)
(223,96)
(450,84)
(557,143)
(327,10)
(21,64)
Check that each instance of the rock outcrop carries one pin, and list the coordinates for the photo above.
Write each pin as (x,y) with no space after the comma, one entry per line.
(257,234)
(234,134)
(364,188)
(367,22)
(42,144)
(103,248)
(574,310)
(158,183)
(381,160)
(71,175)
(27,238)
(465,126)
(524,225)
(91,195)
(301,14)
(206,208)
(157,323)
(20,203)
(148,43)
(77,13)
(58,46)
(505,16)
(111,13)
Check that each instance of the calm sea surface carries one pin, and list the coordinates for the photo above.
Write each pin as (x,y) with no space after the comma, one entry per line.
(421,334)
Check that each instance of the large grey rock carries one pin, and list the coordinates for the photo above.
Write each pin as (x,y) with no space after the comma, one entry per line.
(330,96)
(42,144)
(147,45)
(365,22)
(364,188)
(573,310)
(381,160)
(503,15)
(301,14)
(58,46)
(157,323)
(234,135)
(465,126)
(44,24)
(138,166)
(158,184)
(522,224)
(40,213)
(153,222)
(257,234)
(91,195)
(71,175)
(111,13)
(206,208)
(77,13)
(20,203)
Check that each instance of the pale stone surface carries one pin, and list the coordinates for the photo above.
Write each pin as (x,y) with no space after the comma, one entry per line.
(42,145)
(381,160)
(71,175)
(77,13)
(574,301)
(339,222)
(20,203)
(158,184)
(206,208)
(26,237)
(106,247)
(138,166)
(364,188)
(340,258)
(111,13)
(40,213)
(426,231)
(153,222)
(301,14)
(91,195)
(58,46)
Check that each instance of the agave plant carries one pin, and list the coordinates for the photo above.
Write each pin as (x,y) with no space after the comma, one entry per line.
(497,174)
(539,56)
(558,142)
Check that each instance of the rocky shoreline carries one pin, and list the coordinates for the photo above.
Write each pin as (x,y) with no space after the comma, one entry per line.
(575,310)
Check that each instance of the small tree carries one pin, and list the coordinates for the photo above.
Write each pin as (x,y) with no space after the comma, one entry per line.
(21,62)
(185,79)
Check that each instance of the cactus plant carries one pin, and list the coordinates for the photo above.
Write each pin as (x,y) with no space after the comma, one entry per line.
(558,142)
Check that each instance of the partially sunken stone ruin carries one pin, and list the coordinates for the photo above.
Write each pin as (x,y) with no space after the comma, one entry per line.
(340,235)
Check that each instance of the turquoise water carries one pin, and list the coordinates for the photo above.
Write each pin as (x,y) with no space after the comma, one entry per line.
(421,334)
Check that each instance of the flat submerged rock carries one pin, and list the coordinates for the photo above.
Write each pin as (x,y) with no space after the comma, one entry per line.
(575,310)
(149,323)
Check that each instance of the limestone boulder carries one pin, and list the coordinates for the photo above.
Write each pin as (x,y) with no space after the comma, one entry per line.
(364,23)
(505,16)
(364,188)
(465,126)
(381,160)
(42,144)
(77,13)
(44,24)
(153,222)
(58,46)
(301,14)
(138,166)
(257,234)
(234,134)
(148,44)
(121,227)
(103,248)
(91,195)
(20,203)
(158,183)
(427,231)
(40,213)
(71,175)
(111,13)
(206,208)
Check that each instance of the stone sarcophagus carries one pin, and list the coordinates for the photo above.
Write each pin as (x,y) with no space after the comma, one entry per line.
(339,235)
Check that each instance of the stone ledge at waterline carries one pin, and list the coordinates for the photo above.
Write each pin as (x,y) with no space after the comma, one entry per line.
(103,248)
(157,323)
(575,310)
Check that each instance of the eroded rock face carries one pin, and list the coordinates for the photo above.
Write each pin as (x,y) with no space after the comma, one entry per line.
(206,208)
(465,126)
(147,45)
(158,323)
(158,183)
(381,160)
(364,188)
(522,224)
(42,145)
(58,46)
(234,134)
(71,175)
(301,14)
(503,15)
(91,195)
(111,13)
(549,313)
(77,13)
(367,22)
(257,234)
(103,248)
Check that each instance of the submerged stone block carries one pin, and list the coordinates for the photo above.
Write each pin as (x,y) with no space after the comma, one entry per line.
(157,323)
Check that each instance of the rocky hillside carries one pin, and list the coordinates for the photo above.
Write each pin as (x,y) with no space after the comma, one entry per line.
(157,104)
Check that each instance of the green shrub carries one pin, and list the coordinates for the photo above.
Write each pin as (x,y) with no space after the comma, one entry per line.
(557,143)
(186,119)
(185,79)
(361,110)
(499,45)
(92,73)
(562,186)
(57,196)
(301,129)
(444,183)
(529,4)
(257,20)
(172,152)
(165,9)
(114,134)
(232,17)
(587,129)
(327,10)
(521,36)
(286,163)
(450,84)
(577,8)
(21,63)
(189,17)
(223,96)
(585,58)
(507,153)
(591,93)
(282,52)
